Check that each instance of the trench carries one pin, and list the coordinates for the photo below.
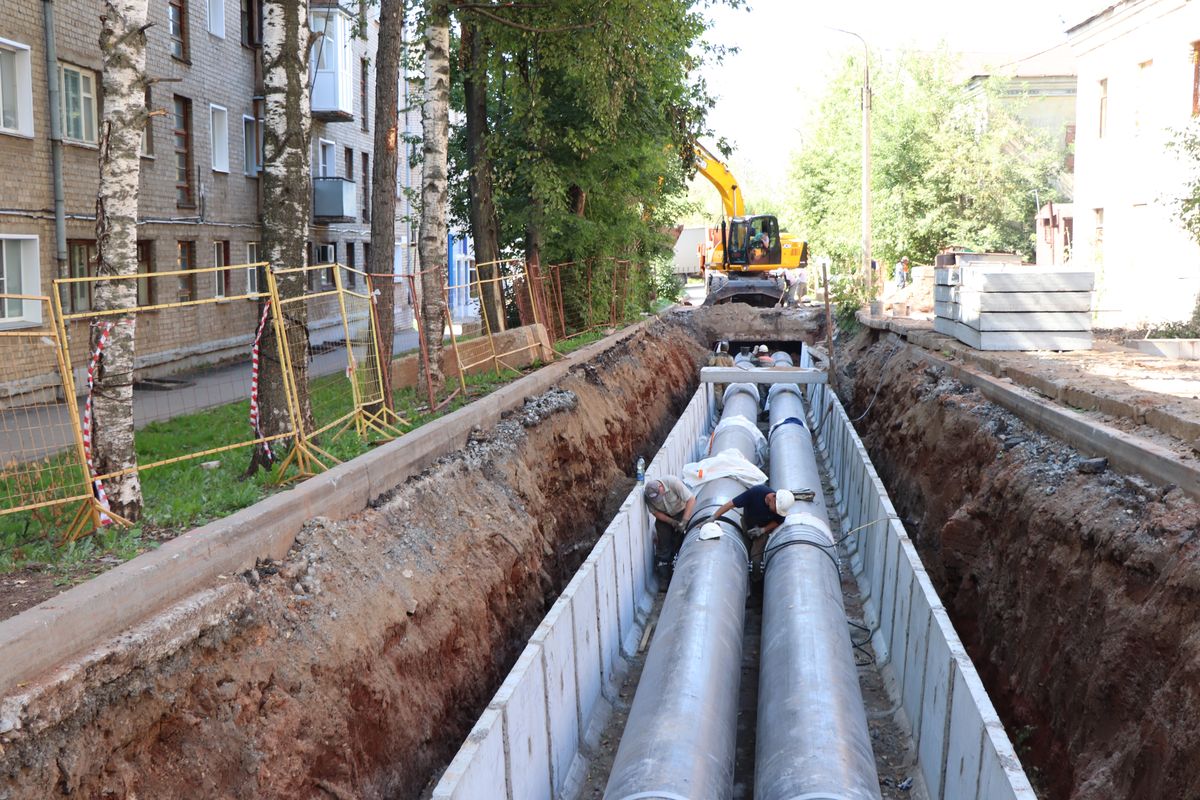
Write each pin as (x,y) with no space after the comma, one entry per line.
(1074,592)
(354,667)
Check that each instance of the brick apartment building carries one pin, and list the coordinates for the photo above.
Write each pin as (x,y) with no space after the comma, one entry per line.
(200,201)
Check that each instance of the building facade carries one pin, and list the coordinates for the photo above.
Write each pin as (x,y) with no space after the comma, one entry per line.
(1139,81)
(200,197)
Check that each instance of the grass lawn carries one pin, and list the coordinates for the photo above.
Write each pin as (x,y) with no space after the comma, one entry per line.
(180,496)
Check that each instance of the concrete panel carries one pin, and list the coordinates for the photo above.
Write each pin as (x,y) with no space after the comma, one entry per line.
(935,714)
(945,294)
(1030,322)
(887,594)
(974,301)
(607,609)
(584,619)
(965,746)
(478,768)
(522,700)
(948,310)
(916,654)
(946,326)
(901,617)
(623,569)
(557,638)
(947,276)
(1021,340)
(1184,349)
(994,781)
(989,279)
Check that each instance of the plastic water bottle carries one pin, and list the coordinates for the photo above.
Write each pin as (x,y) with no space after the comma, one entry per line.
(641,470)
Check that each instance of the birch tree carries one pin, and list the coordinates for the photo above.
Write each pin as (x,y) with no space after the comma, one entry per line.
(287,203)
(123,42)
(383,187)
(435,130)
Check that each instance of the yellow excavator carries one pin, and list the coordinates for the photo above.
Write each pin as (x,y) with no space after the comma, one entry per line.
(745,255)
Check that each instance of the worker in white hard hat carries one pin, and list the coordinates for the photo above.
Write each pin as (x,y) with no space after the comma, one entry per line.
(762,508)
(671,503)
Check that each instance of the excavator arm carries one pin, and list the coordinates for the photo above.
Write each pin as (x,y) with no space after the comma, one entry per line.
(719,176)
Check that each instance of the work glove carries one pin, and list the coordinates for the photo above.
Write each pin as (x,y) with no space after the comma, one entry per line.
(679,526)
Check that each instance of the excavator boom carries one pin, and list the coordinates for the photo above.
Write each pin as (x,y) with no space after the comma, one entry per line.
(719,176)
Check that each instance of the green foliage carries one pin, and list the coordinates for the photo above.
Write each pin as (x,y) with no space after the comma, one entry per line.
(592,113)
(950,167)
(1185,143)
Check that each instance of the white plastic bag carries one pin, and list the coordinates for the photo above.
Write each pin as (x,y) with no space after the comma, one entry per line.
(725,464)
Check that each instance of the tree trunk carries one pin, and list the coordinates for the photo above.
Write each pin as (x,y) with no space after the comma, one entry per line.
(484,224)
(287,203)
(435,130)
(383,190)
(123,42)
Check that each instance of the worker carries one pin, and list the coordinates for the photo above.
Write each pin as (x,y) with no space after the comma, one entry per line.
(762,509)
(902,273)
(762,357)
(670,502)
(720,358)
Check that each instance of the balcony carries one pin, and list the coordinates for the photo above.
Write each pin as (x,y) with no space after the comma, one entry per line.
(332,66)
(334,200)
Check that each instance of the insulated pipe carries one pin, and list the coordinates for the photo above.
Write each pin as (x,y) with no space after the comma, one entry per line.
(813,741)
(680,736)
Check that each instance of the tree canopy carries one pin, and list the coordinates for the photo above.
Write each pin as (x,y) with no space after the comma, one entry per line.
(950,167)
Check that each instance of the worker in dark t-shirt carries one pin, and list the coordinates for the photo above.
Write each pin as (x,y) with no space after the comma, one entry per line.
(762,508)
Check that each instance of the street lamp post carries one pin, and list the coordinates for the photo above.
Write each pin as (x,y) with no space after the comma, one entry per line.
(876,290)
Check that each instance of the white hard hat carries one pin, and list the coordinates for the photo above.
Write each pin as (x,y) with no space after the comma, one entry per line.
(762,348)
(784,500)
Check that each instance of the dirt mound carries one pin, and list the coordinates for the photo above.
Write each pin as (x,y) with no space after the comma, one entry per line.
(1075,588)
(355,667)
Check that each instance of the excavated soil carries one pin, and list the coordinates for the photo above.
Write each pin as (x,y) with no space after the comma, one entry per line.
(1075,591)
(354,668)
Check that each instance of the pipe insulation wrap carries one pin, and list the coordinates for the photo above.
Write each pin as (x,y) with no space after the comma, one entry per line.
(813,739)
(681,733)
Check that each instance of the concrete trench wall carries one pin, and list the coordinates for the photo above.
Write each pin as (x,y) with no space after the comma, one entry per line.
(558,695)
(963,750)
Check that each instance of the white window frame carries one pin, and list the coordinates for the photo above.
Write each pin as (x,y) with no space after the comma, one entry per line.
(88,99)
(252,258)
(219,275)
(326,249)
(23,79)
(218,138)
(216,18)
(251,146)
(326,169)
(30,275)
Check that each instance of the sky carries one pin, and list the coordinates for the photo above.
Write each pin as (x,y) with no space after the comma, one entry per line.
(787,51)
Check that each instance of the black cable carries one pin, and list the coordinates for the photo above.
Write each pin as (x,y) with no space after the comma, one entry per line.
(836,566)
(879,385)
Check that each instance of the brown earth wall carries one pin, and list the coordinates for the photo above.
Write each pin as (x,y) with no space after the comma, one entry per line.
(1076,593)
(354,667)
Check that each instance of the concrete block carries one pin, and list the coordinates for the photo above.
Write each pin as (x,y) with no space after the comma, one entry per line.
(1184,349)
(901,617)
(584,620)
(1173,424)
(936,705)
(994,781)
(964,749)
(948,310)
(887,593)
(522,701)
(478,770)
(947,276)
(557,638)
(1049,388)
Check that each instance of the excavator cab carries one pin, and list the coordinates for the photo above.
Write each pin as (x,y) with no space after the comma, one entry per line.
(754,242)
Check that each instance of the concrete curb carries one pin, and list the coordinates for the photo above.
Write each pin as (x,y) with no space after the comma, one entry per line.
(81,618)
(918,332)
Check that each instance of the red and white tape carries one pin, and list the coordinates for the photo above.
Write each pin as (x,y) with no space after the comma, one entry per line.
(101,342)
(254,418)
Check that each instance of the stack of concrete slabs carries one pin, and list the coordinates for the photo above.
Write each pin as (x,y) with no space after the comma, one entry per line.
(992,305)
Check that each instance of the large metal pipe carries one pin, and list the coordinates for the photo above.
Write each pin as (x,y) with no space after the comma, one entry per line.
(680,737)
(813,741)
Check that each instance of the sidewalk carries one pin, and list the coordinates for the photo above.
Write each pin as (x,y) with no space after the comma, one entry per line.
(38,431)
(1154,397)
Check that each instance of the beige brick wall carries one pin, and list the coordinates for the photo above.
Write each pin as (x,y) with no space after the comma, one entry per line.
(218,71)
